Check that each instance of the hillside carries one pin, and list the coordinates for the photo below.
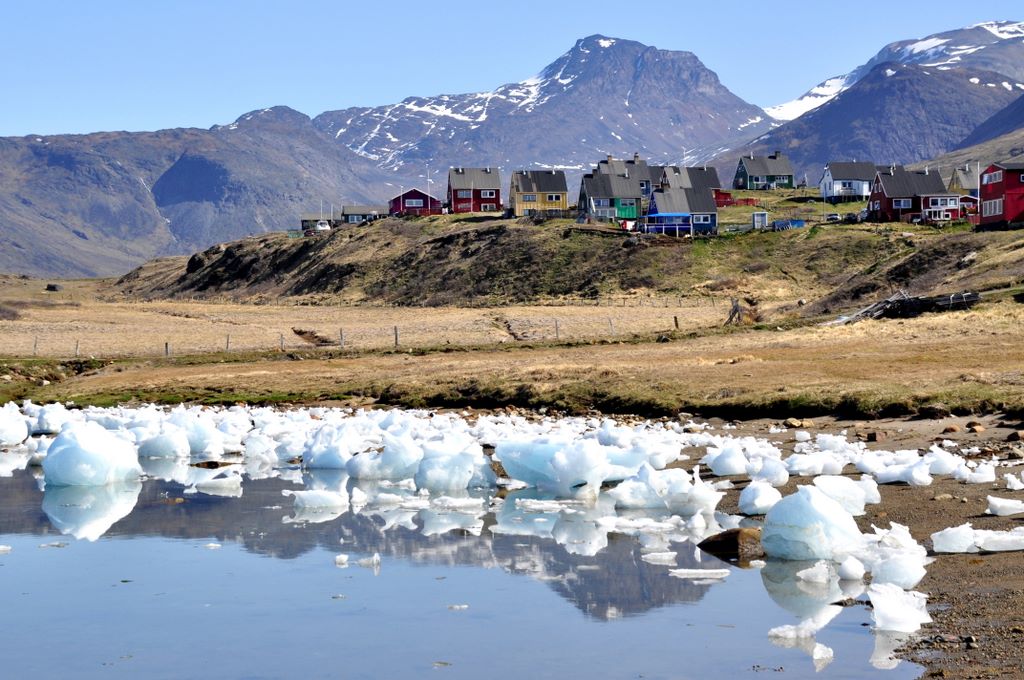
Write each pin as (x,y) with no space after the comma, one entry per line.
(1003,122)
(442,261)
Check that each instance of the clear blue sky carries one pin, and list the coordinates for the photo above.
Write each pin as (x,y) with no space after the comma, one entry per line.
(78,66)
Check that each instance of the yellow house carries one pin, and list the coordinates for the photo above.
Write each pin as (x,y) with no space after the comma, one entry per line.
(539,192)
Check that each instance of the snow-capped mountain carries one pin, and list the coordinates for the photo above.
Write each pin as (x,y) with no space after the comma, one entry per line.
(896,113)
(991,46)
(603,96)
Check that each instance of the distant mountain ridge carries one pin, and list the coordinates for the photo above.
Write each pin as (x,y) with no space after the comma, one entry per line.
(989,46)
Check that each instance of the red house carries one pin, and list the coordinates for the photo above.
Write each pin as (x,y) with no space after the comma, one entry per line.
(901,195)
(474,190)
(414,202)
(1002,195)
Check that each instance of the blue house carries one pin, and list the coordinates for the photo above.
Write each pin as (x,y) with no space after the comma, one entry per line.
(681,212)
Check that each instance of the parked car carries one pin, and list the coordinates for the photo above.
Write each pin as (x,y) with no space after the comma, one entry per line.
(833,217)
(851,218)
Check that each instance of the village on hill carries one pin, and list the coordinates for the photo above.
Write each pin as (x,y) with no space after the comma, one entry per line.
(638,196)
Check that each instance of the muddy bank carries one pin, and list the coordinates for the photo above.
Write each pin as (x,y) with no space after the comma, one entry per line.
(976,600)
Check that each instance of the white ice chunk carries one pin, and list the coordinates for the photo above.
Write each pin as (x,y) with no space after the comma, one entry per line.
(758,498)
(85,454)
(954,540)
(1004,507)
(808,525)
(851,569)
(14,428)
(896,609)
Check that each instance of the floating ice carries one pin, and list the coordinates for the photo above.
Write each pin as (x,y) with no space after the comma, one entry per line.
(808,525)
(341,560)
(171,443)
(14,427)
(897,610)
(51,419)
(85,454)
(851,569)
(702,574)
(819,573)
(4,549)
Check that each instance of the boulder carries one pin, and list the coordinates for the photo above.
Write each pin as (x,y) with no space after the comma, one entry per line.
(743,544)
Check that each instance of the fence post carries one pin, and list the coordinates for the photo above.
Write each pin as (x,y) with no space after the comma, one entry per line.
(557,336)
(35,346)
(227,343)
(281,341)
(396,336)
(611,326)
(341,337)
(675,320)
(167,349)
(76,347)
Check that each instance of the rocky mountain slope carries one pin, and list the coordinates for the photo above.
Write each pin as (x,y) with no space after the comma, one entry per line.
(86,205)
(1003,122)
(991,46)
(603,96)
(897,113)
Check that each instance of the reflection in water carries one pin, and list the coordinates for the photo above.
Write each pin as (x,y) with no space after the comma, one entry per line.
(88,512)
(607,563)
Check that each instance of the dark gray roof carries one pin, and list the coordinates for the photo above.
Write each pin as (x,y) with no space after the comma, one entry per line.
(684,201)
(539,182)
(474,178)
(856,170)
(897,181)
(1011,166)
(602,185)
(364,209)
(635,167)
(775,164)
(691,178)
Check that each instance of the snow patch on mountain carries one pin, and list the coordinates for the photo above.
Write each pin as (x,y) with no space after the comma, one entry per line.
(814,98)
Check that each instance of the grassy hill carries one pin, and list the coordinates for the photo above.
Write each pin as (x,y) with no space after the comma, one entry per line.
(477,260)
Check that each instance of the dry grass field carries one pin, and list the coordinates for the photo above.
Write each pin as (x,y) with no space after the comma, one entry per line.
(53,324)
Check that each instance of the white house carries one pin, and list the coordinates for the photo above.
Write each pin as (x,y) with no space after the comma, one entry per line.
(844,182)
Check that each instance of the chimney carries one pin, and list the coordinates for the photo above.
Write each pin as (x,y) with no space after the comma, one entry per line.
(751,155)
(926,171)
(636,157)
(609,158)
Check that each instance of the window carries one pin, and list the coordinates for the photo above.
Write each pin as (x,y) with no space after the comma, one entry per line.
(992,208)
(554,198)
(487,193)
(702,219)
(992,177)
(757,179)
(846,185)
(782,179)
(627,202)
(942,202)
(355,219)
(602,202)
(902,203)
(877,205)
(413,203)
(488,207)
(532,198)
(464,193)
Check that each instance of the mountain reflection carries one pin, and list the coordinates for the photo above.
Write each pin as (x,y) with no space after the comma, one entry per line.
(601,573)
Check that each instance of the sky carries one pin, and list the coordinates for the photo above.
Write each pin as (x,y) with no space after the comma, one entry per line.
(72,66)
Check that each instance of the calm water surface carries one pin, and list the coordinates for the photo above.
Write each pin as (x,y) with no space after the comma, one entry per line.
(155,597)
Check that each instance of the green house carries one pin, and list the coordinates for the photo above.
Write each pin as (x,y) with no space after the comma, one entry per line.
(764,172)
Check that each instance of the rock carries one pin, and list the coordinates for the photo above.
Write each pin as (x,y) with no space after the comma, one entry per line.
(943,497)
(974,423)
(877,436)
(54,287)
(44,383)
(975,429)
(951,429)
(935,410)
(743,544)
(6,378)
(1015,436)
(1016,453)
(807,424)
(793,422)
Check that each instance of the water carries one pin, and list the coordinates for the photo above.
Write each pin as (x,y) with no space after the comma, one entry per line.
(154,596)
